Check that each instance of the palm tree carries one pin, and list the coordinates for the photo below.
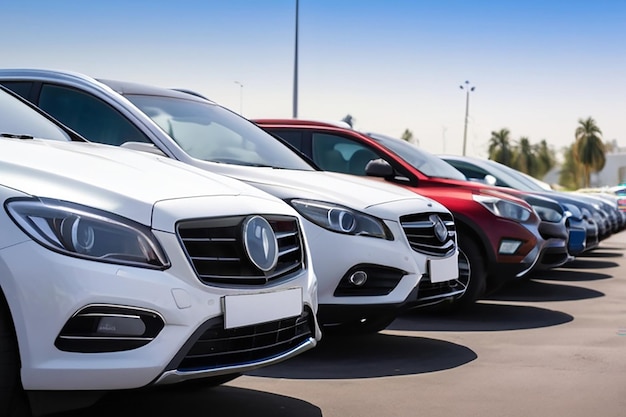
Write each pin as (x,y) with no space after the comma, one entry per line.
(589,149)
(546,160)
(571,174)
(524,157)
(500,147)
(408,136)
(349,120)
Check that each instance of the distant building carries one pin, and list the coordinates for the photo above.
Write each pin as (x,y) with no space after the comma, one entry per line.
(614,171)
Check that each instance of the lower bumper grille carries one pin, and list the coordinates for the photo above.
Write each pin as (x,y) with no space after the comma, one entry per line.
(214,347)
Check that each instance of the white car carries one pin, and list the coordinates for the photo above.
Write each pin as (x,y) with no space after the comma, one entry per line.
(122,269)
(376,248)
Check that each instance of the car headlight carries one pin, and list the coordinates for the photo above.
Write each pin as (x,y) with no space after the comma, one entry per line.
(87,233)
(503,208)
(341,219)
(548,214)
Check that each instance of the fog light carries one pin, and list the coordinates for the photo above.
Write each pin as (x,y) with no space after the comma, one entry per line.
(508,247)
(121,326)
(358,278)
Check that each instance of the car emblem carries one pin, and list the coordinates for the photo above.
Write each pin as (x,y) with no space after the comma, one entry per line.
(441,231)
(260,243)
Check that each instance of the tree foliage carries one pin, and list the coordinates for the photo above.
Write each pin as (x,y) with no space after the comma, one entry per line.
(407,135)
(571,175)
(589,148)
(500,147)
(349,120)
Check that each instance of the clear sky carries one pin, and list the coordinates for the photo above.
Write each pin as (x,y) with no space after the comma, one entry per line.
(537,65)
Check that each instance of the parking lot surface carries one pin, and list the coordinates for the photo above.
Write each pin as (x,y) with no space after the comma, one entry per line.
(553,345)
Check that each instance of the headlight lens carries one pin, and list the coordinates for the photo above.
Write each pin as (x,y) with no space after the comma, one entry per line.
(503,208)
(87,233)
(548,214)
(341,219)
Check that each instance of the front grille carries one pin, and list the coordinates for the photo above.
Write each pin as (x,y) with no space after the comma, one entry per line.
(420,231)
(216,250)
(212,346)
(434,292)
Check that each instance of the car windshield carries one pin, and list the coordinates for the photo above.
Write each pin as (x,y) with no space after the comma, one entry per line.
(210,132)
(514,178)
(18,120)
(426,163)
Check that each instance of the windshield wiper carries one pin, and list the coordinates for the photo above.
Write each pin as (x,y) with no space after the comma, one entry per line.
(16,136)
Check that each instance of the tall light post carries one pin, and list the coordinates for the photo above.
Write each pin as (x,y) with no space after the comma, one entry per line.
(295,70)
(468,89)
(240,97)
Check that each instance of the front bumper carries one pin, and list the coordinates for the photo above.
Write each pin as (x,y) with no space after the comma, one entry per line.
(45,295)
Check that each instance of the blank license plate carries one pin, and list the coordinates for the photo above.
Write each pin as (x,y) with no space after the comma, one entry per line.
(248,309)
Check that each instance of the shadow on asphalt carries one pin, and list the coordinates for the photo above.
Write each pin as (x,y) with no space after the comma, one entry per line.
(601,254)
(371,356)
(569,275)
(533,290)
(589,263)
(482,316)
(221,401)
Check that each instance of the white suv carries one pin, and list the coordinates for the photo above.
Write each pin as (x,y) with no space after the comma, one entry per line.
(376,248)
(121,269)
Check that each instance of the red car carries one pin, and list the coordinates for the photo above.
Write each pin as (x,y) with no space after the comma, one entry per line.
(497,233)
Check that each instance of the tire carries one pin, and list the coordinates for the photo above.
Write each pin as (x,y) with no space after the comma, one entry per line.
(472,272)
(13,400)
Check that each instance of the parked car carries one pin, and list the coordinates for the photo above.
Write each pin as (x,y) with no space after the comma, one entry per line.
(583,232)
(498,234)
(500,175)
(376,249)
(120,269)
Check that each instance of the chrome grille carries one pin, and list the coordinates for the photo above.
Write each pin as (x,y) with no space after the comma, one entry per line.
(216,250)
(420,231)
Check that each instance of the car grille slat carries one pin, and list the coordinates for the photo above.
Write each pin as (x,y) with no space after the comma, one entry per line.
(215,249)
(419,230)
(219,347)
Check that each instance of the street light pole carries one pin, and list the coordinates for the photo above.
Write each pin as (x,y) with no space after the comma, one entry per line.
(468,89)
(240,97)
(295,70)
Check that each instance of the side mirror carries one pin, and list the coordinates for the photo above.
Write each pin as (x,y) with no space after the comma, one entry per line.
(379,168)
(490,179)
(143,146)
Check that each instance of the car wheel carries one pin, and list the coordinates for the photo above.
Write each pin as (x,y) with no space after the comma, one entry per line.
(13,401)
(472,271)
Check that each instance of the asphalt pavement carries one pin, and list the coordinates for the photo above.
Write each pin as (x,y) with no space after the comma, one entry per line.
(549,346)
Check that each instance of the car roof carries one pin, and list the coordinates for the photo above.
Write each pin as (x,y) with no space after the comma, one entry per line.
(302,122)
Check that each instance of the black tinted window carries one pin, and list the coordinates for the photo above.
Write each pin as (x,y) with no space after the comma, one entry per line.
(88,115)
(19,87)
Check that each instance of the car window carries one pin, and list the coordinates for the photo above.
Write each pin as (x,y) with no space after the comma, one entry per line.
(471,171)
(210,132)
(88,115)
(340,154)
(18,119)
(21,88)
(425,162)
(294,138)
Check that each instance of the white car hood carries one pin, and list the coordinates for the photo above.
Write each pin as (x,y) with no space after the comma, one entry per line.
(349,190)
(110,178)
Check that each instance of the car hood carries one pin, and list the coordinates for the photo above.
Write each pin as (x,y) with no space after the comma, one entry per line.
(110,178)
(348,190)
